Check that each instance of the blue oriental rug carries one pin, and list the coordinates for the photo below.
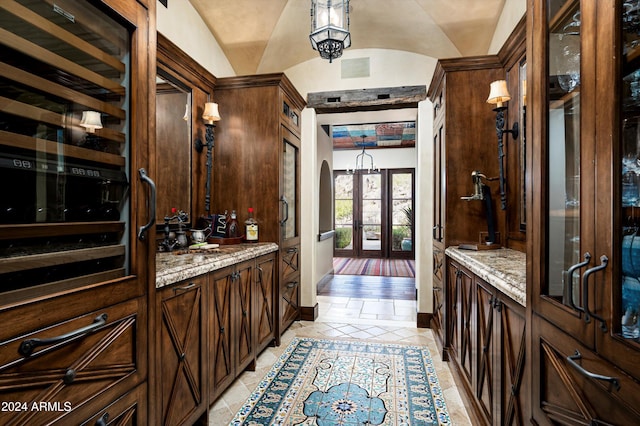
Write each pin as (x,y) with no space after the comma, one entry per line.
(333,382)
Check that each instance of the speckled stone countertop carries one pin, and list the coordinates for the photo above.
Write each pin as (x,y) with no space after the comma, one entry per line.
(504,269)
(178,266)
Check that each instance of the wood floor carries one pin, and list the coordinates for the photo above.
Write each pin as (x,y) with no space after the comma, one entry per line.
(369,287)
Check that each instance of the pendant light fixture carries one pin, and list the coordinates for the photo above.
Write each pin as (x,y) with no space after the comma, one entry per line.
(330,27)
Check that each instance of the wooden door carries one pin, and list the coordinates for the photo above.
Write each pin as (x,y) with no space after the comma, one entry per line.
(221,368)
(181,352)
(488,350)
(264,308)
(243,285)
(459,317)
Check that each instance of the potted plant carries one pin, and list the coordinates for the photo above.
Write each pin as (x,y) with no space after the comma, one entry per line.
(407,242)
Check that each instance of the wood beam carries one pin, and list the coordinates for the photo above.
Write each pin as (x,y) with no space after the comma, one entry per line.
(367,99)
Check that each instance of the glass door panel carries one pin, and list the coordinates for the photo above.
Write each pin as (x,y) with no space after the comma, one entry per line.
(289,224)
(343,214)
(563,148)
(627,287)
(401,193)
(370,220)
(64,145)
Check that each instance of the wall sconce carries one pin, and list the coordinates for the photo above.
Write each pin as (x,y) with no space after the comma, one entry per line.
(498,95)
(360,166)
(91,121)
(210,116)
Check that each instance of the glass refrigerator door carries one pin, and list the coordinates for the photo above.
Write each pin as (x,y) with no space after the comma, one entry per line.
(64,145)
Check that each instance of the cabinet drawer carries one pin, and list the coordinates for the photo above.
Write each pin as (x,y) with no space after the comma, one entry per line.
(566,390)
(127,410)
(68,363)
(290,261)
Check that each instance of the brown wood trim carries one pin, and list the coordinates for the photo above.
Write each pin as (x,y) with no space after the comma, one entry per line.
(469,63)
(20,76)
(261,80)
(309,313)
(424,320)
(27,142)
(515,46)
(47,26)
(174,60)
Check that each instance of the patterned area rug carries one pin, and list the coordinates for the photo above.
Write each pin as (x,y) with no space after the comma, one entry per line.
(379,267)
(332,382)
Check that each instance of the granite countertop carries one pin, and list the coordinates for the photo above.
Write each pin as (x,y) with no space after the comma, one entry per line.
(181,265)
(505,269)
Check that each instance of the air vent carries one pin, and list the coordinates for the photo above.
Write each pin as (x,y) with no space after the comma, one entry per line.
(384,96)
(355,68)
(333,100)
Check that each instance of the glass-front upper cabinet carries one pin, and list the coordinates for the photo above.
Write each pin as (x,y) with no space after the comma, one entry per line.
(628,202)
(64,146)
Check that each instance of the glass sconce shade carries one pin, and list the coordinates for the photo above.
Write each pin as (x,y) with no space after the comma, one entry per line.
(330,27)
(211,113)
(91,121)
(498,93)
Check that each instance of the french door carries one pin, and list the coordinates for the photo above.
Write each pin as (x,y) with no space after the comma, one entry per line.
(373,214)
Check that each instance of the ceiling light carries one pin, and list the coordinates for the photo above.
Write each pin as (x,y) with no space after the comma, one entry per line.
(330,27)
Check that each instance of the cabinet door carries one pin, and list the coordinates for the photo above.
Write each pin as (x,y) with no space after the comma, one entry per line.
(243,279)
(181,351)
(617,297)
(459,317)
(66,144)
(567,147)
(220,361)
(439,324)
(290,189)
(488,350)
(127,410)
(264,295)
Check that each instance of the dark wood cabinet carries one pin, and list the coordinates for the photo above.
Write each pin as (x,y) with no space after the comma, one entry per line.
(128,410)
(74,274)
(257,164)
(182,344)
(219,308)
(488,348)
(264,294)
(583,296)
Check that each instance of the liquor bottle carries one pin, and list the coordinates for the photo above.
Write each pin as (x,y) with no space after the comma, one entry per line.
(232,226)
(251,228)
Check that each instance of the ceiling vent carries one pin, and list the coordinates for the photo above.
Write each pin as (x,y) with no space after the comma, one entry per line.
(355,68)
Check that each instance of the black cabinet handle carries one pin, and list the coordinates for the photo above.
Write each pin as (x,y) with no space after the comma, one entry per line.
(27,346)
(102,421)
(286,210)
(152,204)
(604,260)
(571,359)
(570,272)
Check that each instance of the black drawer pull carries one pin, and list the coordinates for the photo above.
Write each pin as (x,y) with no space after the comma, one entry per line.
(292,284)
(102,421)
(27,346)
(571,359)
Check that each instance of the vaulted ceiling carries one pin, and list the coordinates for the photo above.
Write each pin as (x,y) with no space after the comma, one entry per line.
(263,36)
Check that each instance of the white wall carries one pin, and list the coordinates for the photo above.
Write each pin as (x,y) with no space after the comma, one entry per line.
(197,42)
(512,12)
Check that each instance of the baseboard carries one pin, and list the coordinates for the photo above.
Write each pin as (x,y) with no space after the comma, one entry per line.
(309,313)
(424,320)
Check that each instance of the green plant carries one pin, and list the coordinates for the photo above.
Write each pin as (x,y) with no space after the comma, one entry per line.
(399,233)
(408,213)
(343,237)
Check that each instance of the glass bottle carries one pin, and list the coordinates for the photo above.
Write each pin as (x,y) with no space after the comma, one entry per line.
(232,226)
(251,228)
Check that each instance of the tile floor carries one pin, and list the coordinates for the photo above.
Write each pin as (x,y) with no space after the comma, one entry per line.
(385,320)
